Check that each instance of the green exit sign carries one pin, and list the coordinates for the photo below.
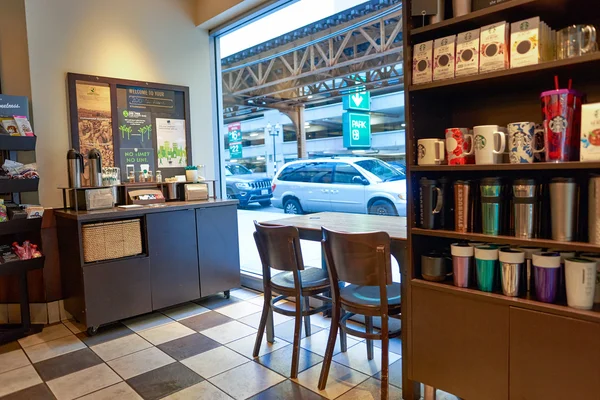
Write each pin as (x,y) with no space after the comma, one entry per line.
(359,101)
(235,150)
(356,130)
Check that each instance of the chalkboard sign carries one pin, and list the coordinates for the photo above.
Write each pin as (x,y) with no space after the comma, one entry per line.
(136,125)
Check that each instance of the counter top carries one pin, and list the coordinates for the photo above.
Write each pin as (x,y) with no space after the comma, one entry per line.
(116,212)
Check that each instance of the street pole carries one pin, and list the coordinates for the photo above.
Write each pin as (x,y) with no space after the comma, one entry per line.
(274,132)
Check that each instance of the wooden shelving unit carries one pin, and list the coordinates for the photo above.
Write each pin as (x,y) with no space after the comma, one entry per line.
(474,344)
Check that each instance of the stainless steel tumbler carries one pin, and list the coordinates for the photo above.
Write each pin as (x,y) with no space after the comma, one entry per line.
(491,205)
(486,260)
(432,201)
(461,206)
(462,261)
(594,210)
(525,200)
(563,194)
(512,262)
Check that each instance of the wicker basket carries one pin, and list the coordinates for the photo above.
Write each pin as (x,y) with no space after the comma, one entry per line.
(110,240)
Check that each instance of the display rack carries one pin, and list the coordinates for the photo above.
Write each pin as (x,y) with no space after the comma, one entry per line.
(19,230)
(473,344)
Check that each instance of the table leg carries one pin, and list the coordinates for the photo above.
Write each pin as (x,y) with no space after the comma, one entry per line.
(411,390)
(429,393)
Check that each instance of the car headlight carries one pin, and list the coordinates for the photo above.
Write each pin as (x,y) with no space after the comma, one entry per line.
(243,185)
(402,196)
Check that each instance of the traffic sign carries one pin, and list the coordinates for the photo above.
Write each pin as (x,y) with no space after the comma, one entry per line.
(356,130)
(359,101)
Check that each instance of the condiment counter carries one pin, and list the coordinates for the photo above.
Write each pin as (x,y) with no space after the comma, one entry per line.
(118,263)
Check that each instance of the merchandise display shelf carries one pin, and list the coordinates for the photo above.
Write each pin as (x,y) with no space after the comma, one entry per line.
(15,267)
(510,240)
(18,185)
(543,166)
(528,302)
(17,143)
(14,226)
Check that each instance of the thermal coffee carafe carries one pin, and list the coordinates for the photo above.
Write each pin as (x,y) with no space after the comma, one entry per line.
(491,205)
(432,201)
(74,168)
(563,196)
(594,210)
(462,210)
(525,200)
(95,168)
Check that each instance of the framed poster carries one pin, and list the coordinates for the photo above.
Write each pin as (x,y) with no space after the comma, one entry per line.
(119,117)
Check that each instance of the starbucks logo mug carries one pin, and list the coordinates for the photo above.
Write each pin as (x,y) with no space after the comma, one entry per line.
(489,143)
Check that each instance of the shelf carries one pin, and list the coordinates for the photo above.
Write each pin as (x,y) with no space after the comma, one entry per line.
(551,11)
(533,73)
(507,167)
(17,143)
(511,240)
(528,303)
(20,226)
(14,267)
(18,185)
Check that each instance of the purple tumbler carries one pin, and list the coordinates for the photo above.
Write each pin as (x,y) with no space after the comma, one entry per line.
(462,260)
(546,270)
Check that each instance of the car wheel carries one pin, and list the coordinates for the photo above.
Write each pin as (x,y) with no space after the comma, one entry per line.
(265,203)
(292,206)
(382,207)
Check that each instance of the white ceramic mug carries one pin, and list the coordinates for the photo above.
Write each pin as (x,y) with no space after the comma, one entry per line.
(487,151)
(580,280)
(431,152)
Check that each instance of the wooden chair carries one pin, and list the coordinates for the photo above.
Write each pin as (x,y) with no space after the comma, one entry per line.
(363,260)
(279,248)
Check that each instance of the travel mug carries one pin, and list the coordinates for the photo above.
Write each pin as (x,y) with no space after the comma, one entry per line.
(461,206)
(594,210)
(432,201)
(580,274)
(512,263)
(595,257)
(524,201)
(562,291)
(546,266)
(434,267)
(445,216)
(462,260)
(491,205)
(459,146)
(486,260)
(528,274)
(474,269)
(562,123)
(563,194)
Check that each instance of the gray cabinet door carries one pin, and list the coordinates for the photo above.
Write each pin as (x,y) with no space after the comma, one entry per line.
(173,257)
(218,249)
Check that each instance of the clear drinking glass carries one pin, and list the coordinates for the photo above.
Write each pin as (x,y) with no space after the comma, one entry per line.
(575,40)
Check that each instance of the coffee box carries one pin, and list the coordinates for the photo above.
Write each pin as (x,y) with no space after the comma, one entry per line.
(590,132)
(493,51)
(422,62)
(467,53)
(444,51)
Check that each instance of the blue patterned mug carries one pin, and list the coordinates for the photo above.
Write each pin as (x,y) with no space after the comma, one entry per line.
(522,142)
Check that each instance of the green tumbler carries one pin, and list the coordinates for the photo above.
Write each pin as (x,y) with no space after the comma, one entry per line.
(486,260)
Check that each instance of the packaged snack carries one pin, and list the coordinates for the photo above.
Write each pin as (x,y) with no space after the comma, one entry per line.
(3,215)
(34,211)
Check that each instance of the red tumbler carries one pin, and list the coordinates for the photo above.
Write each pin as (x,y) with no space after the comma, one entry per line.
(561,110)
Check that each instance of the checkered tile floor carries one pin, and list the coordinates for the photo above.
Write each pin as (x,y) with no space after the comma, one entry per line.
(197,350)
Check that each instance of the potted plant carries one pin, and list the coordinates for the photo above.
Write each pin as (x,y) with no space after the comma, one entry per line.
(191,173)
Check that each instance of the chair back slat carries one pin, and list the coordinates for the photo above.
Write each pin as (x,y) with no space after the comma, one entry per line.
(355,257)
(279,247)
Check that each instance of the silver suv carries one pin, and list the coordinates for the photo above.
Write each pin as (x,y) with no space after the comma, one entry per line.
(343,184)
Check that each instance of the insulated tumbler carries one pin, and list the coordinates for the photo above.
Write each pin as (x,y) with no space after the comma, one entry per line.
(563,194)
(431,194)
(594,210)
(461,206)
(562,291)
(595,257)
(486,259)
(561,110)
(491,205)
(580,282)
(546,267)
(512,263)
(462,259)
(528,274)
(525,199)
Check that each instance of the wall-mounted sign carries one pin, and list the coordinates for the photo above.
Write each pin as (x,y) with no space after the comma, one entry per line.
(170,139)
(135,129)
(94,120)
(136,159)
(359,101)
(234,134)
(356,130)
(143,98)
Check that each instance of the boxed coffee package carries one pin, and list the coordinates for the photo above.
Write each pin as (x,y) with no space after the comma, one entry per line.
(422,62)
(493,51)
(590,132)
(531,42)
(444,50)
(467,53)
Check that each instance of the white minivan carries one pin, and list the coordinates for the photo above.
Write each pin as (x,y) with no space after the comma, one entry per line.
(341,184)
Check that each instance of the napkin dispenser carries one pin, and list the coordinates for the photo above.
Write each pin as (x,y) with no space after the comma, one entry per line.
(95,199)
(196,191)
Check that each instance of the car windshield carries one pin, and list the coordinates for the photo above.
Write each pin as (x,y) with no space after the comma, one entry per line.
(238,169)
(381,169)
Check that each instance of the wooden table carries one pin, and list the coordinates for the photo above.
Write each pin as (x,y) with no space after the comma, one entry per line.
(309,227)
